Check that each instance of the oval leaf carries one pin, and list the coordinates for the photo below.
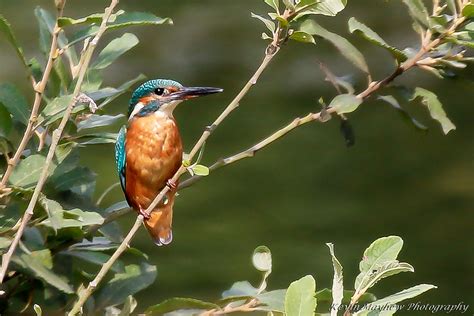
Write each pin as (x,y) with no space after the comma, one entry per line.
(345,103)
(349,51)
(262,259)
(300,297)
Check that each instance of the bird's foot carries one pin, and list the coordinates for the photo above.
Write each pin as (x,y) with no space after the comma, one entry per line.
(171,185)
(143,213)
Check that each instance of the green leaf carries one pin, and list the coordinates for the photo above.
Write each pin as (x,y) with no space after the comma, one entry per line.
(345,103)
(392,300)
(46,23)
(28,171)
(273,301)
(431,101)
(300,299)
(366,32)
(95,120)
(129,306)
(32,265)
(54,211)
(134,279)
(349,51)
(323,7)
(337,282)
(302,37)
(274,4)
(15,103)
(325,296)
(90,19)
(200,170)
(97,138)
(5,242)
(53,111)
(116,48)
(262,259)
(137,18)
(37,310)
(80,180)
(6,29)
(394,103)
(9,216)
(69,218)
(289,4)
(95,257)
(468,11)
(179,303)
(268,23)
(241,288)
(122,89)
(418,11)
(382,271)
(382,251)
(5,121)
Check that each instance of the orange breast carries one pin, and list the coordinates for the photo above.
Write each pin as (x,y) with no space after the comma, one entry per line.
(154,153)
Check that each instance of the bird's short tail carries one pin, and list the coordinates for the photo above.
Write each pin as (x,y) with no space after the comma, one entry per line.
(159,223)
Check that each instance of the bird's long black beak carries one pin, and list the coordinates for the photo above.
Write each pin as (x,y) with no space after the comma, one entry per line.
(193,92)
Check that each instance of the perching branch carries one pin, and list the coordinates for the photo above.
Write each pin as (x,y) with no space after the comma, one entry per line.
(278,36)
(39,90)
(86,55)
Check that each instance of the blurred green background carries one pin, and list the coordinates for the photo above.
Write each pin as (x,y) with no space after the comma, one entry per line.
(307,189)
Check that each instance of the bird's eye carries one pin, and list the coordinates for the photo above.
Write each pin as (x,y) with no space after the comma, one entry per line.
(159,91)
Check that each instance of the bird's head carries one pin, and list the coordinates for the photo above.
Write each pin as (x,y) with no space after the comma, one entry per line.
(163,95)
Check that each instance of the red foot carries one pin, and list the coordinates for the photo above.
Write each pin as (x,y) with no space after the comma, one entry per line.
(145,215)
(171,185)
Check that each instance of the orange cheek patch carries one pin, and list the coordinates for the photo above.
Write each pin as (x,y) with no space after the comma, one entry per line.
(146,99)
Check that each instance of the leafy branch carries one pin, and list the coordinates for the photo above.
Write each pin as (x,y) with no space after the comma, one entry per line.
(83,65)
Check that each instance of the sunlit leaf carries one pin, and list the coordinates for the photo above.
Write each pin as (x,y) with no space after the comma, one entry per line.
(241,288)
(337,282)
(393,300)
(468,11)
(363,30)
(300,299)
(179,303)
(382,251)
(116,48)
(268,23)
(262,259)
(274,4)
(200,170)
(323,7)
(431,101)
(348,50)
(345,103)
(302,37)
(273,301)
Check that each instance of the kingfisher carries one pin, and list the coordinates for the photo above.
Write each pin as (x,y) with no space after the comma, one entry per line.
(149,151)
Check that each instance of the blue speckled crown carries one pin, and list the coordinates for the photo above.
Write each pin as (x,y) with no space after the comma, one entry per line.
(147,88)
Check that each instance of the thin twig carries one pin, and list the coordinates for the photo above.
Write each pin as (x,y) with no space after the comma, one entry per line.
(250,306)
(39,90)
(271,51)
(83,65)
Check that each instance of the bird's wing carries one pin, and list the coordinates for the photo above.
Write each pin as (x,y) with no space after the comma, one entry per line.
(120,155)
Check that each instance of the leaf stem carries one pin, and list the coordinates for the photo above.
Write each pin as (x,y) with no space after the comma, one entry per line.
(56,136)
